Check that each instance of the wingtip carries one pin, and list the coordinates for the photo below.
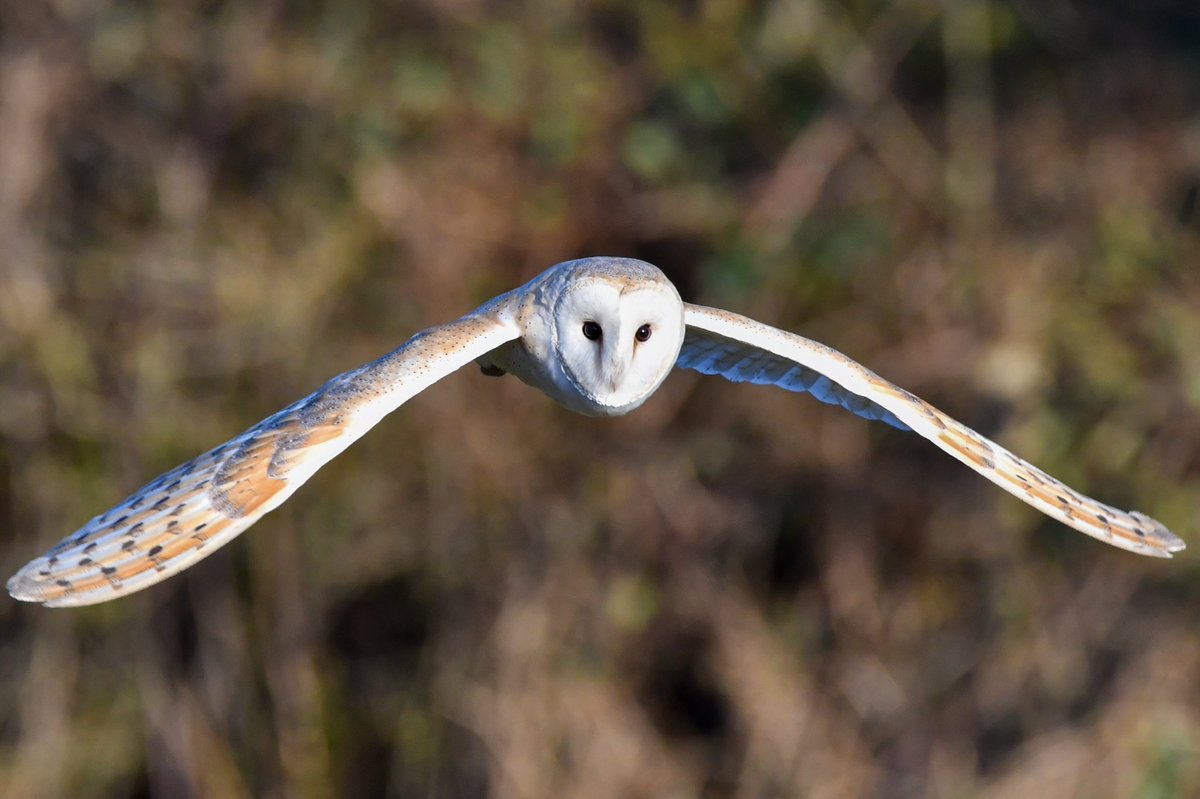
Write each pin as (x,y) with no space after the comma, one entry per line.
(1167,543)
(22,587)
(27,585)
(1158,538)
(26,588)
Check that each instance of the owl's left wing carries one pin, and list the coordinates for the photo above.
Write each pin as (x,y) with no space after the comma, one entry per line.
(186,514)
(722,343)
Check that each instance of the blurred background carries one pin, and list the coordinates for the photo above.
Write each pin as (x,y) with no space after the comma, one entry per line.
(207,209)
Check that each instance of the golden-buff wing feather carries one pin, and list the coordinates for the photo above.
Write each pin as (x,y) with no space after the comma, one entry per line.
(189,512)
(740,349)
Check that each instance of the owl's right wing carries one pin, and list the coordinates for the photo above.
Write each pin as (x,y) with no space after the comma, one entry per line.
(745,351)
(189,512)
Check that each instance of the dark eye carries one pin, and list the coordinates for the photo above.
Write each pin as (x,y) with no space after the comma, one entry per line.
(592,330)
(642,333)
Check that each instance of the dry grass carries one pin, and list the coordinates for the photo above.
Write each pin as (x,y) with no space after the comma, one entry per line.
(206,211)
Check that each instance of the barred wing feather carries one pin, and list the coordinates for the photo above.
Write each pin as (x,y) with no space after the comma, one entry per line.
(186,514)
(740,349)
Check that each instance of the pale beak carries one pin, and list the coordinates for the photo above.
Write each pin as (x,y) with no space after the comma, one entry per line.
(614,369)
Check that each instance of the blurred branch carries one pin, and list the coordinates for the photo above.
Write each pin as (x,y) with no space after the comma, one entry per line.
(861,69)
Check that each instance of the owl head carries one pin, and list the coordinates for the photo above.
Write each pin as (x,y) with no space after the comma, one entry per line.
(617,329)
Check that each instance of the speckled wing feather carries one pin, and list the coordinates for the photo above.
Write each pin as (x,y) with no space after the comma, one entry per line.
(740,349)
(184,515)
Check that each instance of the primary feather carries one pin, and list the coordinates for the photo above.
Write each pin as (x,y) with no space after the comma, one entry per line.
(183,516)
(756,352)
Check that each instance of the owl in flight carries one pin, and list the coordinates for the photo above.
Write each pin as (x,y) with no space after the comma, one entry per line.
(598,335)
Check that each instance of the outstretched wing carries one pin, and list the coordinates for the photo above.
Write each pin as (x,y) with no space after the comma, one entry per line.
(723,343)
(187,513)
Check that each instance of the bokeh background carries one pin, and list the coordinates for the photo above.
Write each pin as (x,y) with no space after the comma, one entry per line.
(207,209)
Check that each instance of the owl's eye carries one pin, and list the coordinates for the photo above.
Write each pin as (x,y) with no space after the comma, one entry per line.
(642,333)
(592,330)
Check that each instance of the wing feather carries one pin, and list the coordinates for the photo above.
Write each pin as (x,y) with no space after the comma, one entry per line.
(740,349)
(734,360)
(189,512)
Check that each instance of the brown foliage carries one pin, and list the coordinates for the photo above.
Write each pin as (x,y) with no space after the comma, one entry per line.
(207,209)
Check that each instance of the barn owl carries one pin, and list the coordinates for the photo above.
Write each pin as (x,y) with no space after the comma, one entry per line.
(598,335)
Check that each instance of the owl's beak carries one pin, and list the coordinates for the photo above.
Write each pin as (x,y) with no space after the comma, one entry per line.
(614,369)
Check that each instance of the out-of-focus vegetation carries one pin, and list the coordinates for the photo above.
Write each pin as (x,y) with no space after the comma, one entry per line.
(206,209)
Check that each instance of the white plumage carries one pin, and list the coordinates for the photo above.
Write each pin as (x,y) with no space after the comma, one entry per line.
(599,336)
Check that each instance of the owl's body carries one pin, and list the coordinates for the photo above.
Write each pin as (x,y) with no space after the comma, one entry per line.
(598,336)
